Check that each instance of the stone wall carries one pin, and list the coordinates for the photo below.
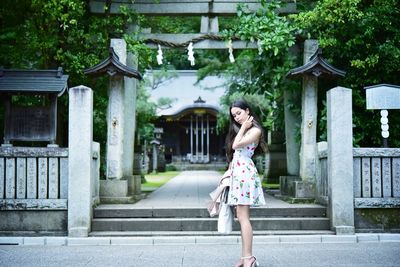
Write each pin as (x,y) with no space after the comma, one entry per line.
(377,220)
(33,190)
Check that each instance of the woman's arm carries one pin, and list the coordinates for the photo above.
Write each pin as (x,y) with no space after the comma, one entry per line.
(253,135)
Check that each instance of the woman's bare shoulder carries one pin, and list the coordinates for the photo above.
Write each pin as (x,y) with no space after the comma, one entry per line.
(254,131)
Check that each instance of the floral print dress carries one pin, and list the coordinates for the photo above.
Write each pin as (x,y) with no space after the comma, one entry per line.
(245,185)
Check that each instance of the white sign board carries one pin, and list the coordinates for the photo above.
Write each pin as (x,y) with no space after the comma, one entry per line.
(383,96)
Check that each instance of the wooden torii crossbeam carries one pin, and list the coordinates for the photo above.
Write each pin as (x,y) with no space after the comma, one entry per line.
(209,10)
(185,7)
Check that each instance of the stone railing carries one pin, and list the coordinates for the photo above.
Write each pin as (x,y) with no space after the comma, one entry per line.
(376,177)
(322,173)
(95,173)
(37,177)
(33,178)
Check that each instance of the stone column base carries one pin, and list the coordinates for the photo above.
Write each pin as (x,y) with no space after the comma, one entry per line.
(114,191)
(78,232)
(304,189)
(293,187)
(121,191)
(344,230)
(287,186)
(134,185)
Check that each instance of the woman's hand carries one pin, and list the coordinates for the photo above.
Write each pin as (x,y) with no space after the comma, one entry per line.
(247,124)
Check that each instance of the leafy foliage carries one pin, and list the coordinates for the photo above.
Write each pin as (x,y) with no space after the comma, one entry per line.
(361,37)
(46,34)
(259,76)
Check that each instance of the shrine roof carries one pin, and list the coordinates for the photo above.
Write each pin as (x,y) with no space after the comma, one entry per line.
(316,66)
(194,108)
(112,66)
(33,81)
(187,93)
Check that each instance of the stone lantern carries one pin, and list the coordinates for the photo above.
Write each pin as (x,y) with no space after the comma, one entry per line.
(315,66)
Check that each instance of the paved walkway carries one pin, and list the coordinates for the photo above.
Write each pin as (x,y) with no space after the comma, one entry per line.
(191,189)
(188,189)
(385,254)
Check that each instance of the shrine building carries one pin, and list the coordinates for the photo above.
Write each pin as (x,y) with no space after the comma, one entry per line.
(187,127)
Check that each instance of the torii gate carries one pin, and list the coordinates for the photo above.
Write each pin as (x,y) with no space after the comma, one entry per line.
(209,10)
(207,38)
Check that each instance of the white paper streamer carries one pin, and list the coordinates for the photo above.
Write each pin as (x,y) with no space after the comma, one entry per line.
(230,47)
(191,54)
(159,55)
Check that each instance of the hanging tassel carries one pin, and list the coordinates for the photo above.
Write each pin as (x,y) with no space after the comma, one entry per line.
(260,50)
(230,48)
(159,56)
(191,54)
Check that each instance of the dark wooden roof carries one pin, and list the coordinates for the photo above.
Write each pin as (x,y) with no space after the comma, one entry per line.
(316,66)
(112,66)
(33,81)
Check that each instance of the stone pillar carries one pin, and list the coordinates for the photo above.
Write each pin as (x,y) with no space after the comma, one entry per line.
(197,139)
(291,122)
(308,129)
(209,25)
(145,158)
(340,160)
(155,157)
(115,117)
(80,136)
(191,138)
(134,179)
(208,140)
(134,184)
(202,139)
(309,111)
(119,149)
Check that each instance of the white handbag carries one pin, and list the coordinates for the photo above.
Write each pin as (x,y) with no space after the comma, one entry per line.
(219,195)
(225,219)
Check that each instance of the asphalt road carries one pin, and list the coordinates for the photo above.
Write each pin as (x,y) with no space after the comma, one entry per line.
(207,255)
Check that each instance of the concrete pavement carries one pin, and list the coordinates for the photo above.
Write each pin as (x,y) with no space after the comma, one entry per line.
(191,189)
(196,250)
(363,254)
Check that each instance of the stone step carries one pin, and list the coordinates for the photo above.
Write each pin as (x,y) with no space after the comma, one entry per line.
(183,166)
(126,211)
(208,233)
(205,224)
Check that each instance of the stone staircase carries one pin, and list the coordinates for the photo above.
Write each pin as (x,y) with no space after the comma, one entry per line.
(131,220)
(183,166)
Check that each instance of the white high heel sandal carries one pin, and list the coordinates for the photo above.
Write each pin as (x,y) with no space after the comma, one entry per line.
(254,263)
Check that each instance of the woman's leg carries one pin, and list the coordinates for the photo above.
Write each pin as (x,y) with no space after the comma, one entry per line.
(243,215)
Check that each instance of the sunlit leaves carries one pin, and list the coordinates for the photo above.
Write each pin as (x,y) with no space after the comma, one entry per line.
(361,37)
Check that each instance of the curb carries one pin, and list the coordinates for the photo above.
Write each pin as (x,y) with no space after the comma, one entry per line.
(194,240)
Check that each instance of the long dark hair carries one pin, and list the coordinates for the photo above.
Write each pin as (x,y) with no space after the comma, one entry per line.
(235,126)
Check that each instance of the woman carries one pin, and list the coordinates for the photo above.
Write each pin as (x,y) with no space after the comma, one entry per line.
(245,137)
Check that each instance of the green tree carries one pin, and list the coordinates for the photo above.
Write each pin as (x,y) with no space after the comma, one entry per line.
(45,34)
(361,37)
(258,75)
